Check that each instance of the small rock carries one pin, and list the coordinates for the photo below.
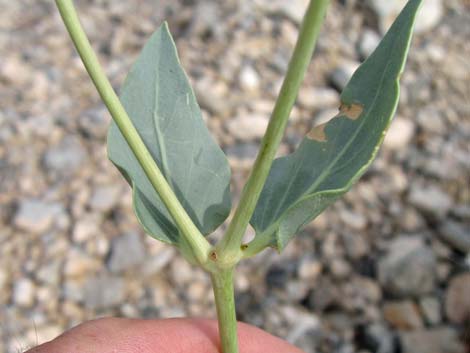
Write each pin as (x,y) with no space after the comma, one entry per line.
(244,151)
(409,268)
(355,244)
(341,75)
(23,293)
(323,116)
(294,9)
(318,98)
(457,301)
(403,315)
(456,235)
(399,134)
(105,197)
(249,78)
(353,219)
(439,340)
(95,122)
(377,338)
(66,157)
(36,216)
(430,199)
(104,292)
(340,268)
(431,309)
(431,121)
(368,42)
(309,269)
(428,17)
(86,228)
(126,251)
(248,127)
(79,263)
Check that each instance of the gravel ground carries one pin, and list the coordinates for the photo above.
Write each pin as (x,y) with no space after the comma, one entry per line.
(385,269)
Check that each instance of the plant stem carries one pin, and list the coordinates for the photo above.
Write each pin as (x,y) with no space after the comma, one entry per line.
(222,282)
(199,245)
(229,247)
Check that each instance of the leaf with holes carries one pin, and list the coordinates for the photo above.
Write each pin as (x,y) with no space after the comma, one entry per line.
(334,155)
(162,106)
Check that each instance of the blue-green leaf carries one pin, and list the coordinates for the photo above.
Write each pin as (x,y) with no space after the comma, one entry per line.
(162,106)
(334,155)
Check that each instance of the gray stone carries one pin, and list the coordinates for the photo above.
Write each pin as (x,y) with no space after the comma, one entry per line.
(430,200)
(23,293)
(457,301)
(247,151)
(95,122)
(104,292)
(341,75)
(105,197)
(294,9)
(318,98)
(248,126)
(126,251)
(36,216)
(399,134)
(386,11)
(431,309)
(66,157)
(403,315)
(249,78)
(409,268)
(456,235)
(378,338)
(439,340)
(368,42)
(353,219)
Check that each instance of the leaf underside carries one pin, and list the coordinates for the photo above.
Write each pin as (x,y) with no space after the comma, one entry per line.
(334,155)
(162,106)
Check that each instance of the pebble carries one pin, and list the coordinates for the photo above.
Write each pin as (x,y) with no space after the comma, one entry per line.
(104,292)
(377,338)
(431,341)
(127,251)
(431,310)
(368,42)
(249,79)
(105,197)
(341,75)
(457,301)
(428,17)
(430,200)
(36,216)
(23,293)
(294,9)
(456,235)
(86,228)
(248,127)
(78,263)
(409,267)
(318,98)
(66,157)
(353,220)
(403,315)
(399,134)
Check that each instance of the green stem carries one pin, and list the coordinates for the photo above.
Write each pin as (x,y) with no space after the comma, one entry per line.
(222,282)
(199,245)
(229,247)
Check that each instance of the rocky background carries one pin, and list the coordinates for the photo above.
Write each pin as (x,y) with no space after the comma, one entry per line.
(386,269)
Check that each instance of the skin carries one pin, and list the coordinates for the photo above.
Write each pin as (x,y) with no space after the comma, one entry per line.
(112,335)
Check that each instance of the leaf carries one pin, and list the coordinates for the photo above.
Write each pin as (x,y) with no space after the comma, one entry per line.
(162,106)
(334,155)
